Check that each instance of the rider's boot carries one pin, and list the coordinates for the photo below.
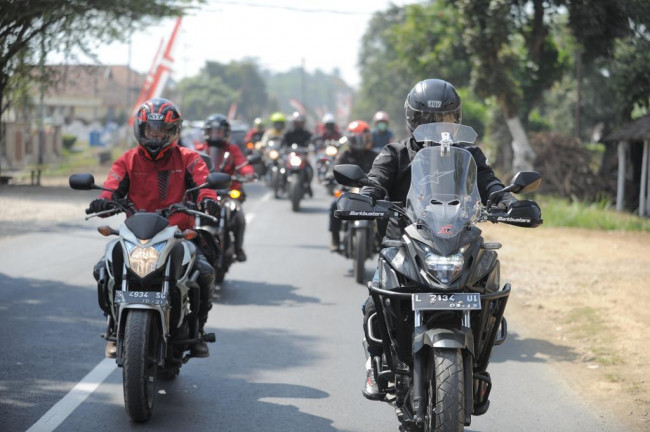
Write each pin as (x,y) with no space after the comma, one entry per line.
(336,242)
(371,388)
(206,283)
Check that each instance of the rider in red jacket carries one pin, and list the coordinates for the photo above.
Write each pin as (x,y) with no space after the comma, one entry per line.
(228,159)
(155,175)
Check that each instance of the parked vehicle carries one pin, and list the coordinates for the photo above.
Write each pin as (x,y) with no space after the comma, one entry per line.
(148,289)
(437,288)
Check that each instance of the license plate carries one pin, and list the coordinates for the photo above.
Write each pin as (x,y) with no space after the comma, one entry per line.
(141,297)
(460,301)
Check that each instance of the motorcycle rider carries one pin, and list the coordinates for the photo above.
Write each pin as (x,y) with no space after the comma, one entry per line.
(329,130)
(381,134)
(302,137)
(278,122)
(429,101)
(297,134)
(227,158)
(358,152)
(154,176)
(257,131)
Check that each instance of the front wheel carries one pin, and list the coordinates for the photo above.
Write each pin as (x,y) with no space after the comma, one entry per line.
(359,240)
(141,342)
(445,411)
(295,192)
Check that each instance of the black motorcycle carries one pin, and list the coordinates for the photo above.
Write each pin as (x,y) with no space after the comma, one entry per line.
(439,306)
(147,288)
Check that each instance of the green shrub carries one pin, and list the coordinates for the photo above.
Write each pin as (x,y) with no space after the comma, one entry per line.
(68,141)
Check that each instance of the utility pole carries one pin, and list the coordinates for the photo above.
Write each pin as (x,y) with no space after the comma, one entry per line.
(303,95)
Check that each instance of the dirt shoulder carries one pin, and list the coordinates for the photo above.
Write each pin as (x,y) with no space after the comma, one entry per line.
(585,293)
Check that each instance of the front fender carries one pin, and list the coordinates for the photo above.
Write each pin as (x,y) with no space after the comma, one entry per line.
(443,338)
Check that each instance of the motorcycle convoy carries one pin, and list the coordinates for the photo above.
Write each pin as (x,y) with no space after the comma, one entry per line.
(439,300)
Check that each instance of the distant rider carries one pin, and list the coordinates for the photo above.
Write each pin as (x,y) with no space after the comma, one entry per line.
(227,158)
(297,134)
(381,134)
(358,152)
(256,132)
(278,123)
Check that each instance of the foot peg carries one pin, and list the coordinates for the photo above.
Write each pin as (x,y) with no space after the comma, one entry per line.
(209,337)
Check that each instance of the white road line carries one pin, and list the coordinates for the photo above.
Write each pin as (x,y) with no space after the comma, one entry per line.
(266,197)
(250,217)
(63,408)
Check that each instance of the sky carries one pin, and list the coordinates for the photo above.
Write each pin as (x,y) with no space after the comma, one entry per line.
(280,34)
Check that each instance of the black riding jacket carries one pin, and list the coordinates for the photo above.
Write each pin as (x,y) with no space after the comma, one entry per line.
(364,158)
(392,170)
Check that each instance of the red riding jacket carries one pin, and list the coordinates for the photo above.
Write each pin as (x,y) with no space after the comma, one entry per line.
(152,185)
(234,162)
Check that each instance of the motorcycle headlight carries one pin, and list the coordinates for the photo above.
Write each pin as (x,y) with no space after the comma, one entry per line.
(143,260)
(444,268)
(331,151)
(235,194)
(274,154)
(295,161)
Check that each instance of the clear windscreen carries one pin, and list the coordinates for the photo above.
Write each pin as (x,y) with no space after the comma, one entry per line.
(443,194)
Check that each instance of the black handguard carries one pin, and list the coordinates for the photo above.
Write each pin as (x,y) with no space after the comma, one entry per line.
(210,206)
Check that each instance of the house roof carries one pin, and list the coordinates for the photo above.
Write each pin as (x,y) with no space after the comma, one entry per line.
(109,83)
(636,130)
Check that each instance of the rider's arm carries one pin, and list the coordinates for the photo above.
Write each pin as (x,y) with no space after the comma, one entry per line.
(487,181)
(196,173)
(241,163)
(118,179)
(383,172)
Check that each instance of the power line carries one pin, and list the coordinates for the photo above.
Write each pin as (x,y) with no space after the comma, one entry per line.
(288,8)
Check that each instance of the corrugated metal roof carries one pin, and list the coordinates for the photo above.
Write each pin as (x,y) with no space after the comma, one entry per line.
(636,130)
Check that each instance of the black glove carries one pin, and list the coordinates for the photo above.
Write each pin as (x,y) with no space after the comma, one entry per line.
(504,201)
(210,206)
(100,205)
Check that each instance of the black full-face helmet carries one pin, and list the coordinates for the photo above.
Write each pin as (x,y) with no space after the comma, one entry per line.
(431,101)
(157,125)
(216,130)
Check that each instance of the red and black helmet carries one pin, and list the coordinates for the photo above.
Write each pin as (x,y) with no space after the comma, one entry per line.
(157,125)
(358,135)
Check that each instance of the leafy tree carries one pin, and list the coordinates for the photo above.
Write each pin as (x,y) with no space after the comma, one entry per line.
(243,78)
(202,95)
(30,28)
(385,79)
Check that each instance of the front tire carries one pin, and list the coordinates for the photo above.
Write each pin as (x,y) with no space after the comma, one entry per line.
(359,241)
(141,342)
(295,192)
(445,411)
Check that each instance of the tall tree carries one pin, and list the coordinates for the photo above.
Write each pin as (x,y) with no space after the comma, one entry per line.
(385,80)
(30,27)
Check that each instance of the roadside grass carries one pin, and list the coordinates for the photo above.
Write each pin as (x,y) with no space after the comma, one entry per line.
(558,212)
(587,325)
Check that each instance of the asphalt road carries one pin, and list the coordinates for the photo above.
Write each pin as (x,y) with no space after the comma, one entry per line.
(288,355)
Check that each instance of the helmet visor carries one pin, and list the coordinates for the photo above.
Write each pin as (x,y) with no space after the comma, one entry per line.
(158,132)
(359,141)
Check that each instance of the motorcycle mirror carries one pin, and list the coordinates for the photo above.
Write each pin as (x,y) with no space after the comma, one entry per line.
(218,181)
(350,175)
(525,181)
(82,182)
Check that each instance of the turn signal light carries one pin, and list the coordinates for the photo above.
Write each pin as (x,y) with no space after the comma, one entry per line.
(250,145)
(338,193)
(189,234)
(105,230)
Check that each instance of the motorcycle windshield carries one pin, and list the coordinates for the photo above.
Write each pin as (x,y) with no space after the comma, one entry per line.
(443,195)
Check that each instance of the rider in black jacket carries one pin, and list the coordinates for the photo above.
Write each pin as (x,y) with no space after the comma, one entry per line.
(358,139)
(430,101)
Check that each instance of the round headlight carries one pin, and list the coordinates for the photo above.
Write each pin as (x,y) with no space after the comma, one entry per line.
(274,154)
(295,161)
(445,269)
(331,151)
